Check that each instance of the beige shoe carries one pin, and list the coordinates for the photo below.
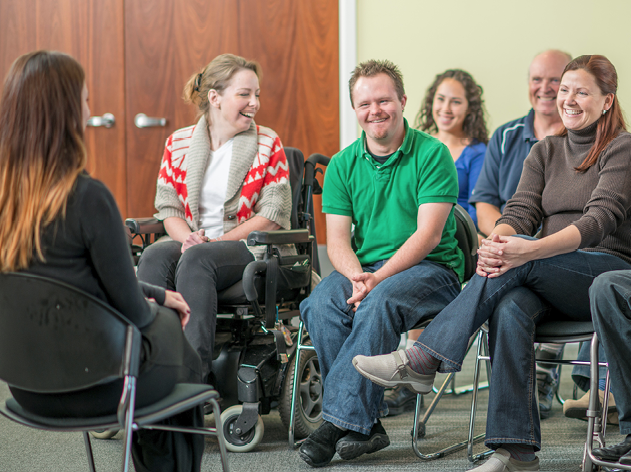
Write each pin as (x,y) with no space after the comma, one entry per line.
(578,408)
(393,370)
(501,461)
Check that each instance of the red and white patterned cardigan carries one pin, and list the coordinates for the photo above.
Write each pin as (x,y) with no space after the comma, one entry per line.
(258,180)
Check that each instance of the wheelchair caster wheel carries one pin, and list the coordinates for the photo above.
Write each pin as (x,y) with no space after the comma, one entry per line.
(104,433)
(421,431)
(308,408)
(240,443)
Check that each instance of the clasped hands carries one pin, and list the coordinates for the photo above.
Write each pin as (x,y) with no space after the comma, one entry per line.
(363,283)
(498,254)
(197,237)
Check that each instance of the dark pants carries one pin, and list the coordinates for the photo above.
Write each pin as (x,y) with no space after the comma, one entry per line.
(610,296)
(166,359)
(198,275)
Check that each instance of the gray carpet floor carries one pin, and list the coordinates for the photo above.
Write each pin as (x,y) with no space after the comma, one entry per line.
(25,449)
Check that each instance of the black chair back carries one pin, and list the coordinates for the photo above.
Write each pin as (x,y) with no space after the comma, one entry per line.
(467,238)
(296,162)
(55,338)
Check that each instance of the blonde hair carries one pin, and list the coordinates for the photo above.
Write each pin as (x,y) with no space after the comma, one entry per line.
(217,76)
(41,150)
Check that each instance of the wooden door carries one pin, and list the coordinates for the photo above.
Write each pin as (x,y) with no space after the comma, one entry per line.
(92,32)
(138,54)
(296,43)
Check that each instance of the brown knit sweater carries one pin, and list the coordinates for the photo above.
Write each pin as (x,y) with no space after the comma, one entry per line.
(553,195)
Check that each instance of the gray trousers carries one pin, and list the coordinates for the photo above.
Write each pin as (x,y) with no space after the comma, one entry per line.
(198,275)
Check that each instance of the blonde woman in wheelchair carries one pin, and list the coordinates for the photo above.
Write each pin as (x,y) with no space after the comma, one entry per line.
(220,179)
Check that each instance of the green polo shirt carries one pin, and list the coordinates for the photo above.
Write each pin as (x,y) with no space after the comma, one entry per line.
(383,199)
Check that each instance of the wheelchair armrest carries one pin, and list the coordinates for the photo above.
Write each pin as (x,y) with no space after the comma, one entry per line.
(248,278)
(292,236)
(145,225)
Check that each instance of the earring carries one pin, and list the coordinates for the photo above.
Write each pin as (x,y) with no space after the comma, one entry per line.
(604,111)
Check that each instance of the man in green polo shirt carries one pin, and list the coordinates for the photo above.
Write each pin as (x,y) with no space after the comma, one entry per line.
(398,187)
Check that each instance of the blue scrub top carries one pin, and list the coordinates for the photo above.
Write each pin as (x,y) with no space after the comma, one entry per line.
(469,165)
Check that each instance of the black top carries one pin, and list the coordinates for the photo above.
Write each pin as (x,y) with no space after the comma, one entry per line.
(89,250)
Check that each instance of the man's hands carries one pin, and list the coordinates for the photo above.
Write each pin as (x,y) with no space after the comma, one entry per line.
(498,254)
(363,283)
(175,301)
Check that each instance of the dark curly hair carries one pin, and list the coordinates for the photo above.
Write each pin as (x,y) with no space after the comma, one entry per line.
(474,125)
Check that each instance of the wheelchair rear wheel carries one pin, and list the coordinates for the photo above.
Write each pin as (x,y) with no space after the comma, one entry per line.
(308,414)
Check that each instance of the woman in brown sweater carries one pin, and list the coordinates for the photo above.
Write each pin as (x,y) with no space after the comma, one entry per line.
(577,187)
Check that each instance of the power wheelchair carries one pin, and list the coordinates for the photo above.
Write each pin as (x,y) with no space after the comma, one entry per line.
(255,343)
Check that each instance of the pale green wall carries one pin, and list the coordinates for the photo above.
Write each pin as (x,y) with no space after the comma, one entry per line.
(494,40)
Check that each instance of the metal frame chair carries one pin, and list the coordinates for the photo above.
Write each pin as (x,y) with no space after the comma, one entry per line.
(54,338)
(561,332)
(312,187)
(597,417)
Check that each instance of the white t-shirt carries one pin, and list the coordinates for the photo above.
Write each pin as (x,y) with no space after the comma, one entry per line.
(213,193)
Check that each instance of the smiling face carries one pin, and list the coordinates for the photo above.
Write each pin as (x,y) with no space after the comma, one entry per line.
(379,110)
(543,81)
(580,100)
(234,109)
(450,106)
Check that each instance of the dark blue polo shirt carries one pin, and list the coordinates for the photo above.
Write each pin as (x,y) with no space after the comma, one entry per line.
(504,160)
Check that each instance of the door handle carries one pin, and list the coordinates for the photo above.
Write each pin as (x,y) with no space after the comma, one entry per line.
(143,121)
(107,120)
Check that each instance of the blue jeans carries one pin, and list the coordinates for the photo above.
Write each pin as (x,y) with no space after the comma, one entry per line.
(581,373)
(513,304)
(610,296)
(338,333)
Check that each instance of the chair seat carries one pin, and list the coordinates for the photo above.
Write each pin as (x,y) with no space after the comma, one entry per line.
(556,331)
(235,295)
(183,397)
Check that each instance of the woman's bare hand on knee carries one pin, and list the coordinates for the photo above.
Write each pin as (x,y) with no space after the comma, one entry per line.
(175,301)
(196,237)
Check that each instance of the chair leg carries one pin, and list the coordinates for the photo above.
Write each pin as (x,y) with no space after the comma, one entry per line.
(593,426)
(129,422)
(439,393)
(88,450)
(220,437)
(483,348)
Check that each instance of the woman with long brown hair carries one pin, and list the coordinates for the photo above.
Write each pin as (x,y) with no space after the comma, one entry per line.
(453,112)
(576,186)
(56,221)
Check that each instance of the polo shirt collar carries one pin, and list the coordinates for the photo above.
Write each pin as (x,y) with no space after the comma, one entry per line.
(529,127)
(405,148)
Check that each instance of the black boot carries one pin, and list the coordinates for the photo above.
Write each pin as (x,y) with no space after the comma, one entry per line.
(355,444)
(615,453)
(399,400)
(319,448)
